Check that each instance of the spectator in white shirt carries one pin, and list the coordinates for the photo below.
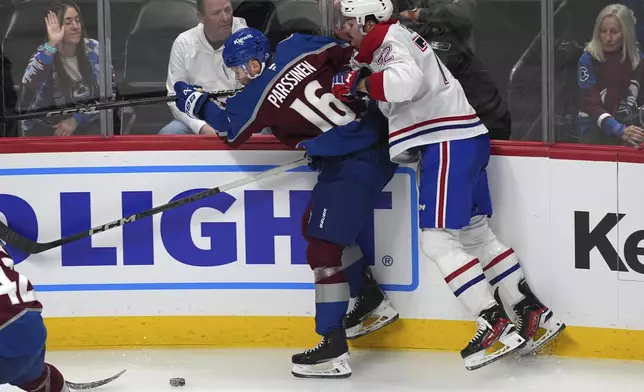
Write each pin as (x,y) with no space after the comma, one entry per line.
(196,58)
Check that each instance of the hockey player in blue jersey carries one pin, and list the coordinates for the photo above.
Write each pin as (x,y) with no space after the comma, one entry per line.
(289,92)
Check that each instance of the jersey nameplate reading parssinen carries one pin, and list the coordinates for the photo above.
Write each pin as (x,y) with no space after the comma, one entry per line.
(287,83)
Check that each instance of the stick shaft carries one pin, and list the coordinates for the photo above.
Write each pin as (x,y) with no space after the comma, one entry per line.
(91,109)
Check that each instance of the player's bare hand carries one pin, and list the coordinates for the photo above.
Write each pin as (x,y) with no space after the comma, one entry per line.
(55,31)
(66,127)
(411,14)
(207,130)
(633,135)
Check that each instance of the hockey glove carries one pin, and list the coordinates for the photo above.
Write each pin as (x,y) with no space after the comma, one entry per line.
(190,99)
(315,162)
(196,104)
(345,85)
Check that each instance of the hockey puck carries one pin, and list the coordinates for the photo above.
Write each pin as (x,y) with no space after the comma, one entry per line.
(177,382)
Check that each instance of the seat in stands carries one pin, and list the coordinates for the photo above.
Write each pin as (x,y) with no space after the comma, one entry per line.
(255,13)
(148,47)
(147,52)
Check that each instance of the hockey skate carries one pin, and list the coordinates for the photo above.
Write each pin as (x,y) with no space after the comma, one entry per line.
(371,310)
(535,321)
(329,359)
(495,338)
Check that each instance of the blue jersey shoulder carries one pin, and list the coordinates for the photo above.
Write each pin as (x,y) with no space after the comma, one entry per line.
(586,71)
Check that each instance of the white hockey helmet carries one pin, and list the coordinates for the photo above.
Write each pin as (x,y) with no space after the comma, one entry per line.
(360,9)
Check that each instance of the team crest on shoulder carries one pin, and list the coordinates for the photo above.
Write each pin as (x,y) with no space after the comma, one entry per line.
(583,74)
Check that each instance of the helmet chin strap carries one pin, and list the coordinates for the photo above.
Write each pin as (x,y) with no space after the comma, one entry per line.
(261,69)
(247,72)
(360,21)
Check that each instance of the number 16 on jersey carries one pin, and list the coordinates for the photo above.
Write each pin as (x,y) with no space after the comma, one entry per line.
(323,104)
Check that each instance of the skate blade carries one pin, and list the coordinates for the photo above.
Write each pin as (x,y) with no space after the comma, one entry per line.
(546,333)
(382,316)
(334,368)
(505,346)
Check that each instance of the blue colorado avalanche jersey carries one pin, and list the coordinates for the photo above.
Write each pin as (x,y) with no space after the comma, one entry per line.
(293,97)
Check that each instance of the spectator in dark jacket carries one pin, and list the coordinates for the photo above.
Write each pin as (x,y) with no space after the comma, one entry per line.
(448,25)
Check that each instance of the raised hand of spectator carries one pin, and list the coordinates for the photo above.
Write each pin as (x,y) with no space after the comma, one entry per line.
(633,135)
(55,31)
(207,130)
(66,127)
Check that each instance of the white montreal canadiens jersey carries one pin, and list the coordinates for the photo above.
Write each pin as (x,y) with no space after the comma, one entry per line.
(425,104)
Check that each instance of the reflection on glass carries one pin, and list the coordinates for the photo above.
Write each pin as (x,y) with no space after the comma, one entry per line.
(508,42)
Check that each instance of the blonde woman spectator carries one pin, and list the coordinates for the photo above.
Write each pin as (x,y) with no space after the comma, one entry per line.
(62,71)
(609,77)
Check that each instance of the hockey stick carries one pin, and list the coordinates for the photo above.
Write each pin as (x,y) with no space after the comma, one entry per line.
(90,109)
(93,384)
(32,247)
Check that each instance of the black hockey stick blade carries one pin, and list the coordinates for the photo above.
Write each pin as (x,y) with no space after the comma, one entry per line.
(32,247)
(93,108)
(94,384)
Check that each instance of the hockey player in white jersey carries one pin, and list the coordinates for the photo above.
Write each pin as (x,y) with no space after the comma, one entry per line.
(431,122)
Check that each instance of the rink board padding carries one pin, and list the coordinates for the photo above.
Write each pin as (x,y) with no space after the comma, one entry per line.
(230,271)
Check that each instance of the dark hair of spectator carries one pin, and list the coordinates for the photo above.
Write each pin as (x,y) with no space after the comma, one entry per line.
(59,7)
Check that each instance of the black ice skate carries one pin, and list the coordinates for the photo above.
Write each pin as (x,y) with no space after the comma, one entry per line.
(329,359)
(495,338)
(371,310)
(535,321)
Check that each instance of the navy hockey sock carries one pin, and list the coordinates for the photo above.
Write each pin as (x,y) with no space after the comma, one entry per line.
(355,276)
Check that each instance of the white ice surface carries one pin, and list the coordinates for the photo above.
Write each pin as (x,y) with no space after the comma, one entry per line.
(406,371)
